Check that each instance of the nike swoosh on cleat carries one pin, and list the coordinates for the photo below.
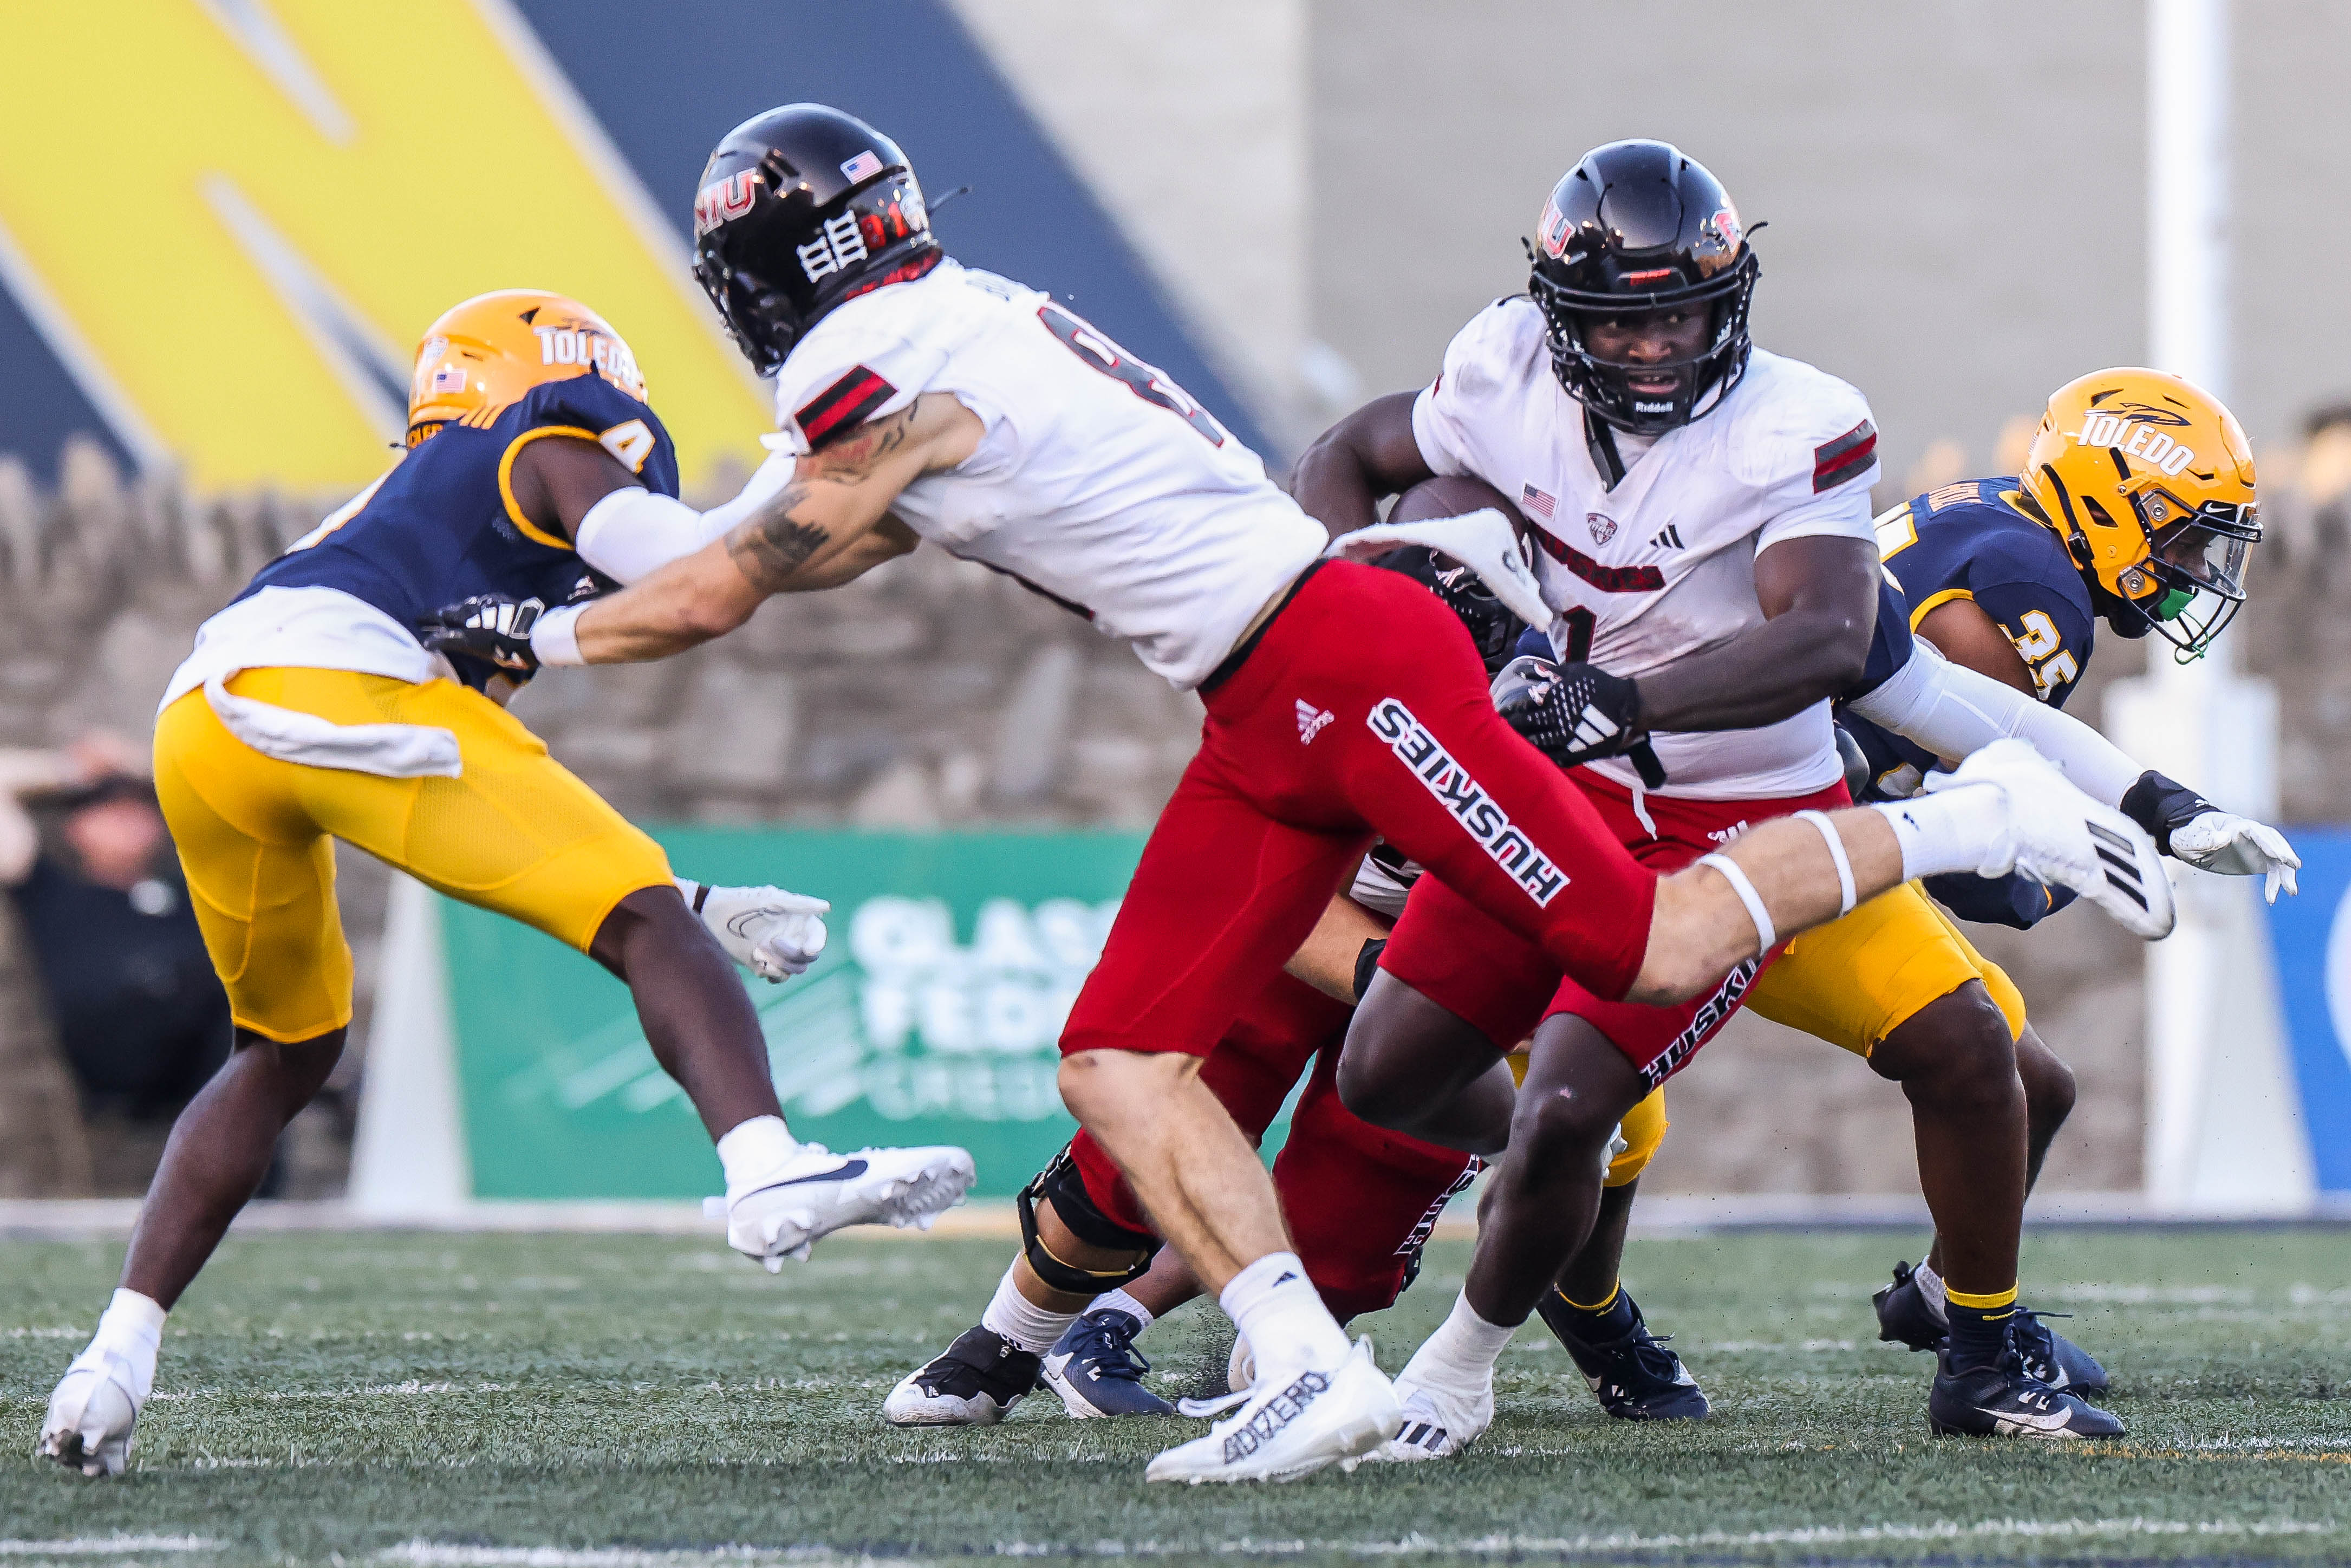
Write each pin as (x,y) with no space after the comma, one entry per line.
(2049,1421)
(850,1171)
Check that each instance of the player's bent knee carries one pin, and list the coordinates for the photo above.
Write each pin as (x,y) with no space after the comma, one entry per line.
(1957,1046)
(1561,1126)
(2049,1086)
(1105,1082)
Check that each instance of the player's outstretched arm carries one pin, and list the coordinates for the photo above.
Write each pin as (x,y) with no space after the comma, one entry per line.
(1819,598)
(1954,711)
(829,523)
(1369,455)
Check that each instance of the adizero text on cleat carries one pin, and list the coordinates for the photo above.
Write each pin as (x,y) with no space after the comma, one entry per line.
(975,1382)
(816,1192)
(1634,1376)
(1094,1368)
(2001,1400)
(1905,1315)
(2060,837)
(1294,1422)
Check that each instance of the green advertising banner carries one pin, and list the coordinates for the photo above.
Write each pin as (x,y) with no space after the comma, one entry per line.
(931,1018)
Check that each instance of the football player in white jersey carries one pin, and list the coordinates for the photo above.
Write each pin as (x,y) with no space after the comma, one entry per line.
(918,399)
(1702,509)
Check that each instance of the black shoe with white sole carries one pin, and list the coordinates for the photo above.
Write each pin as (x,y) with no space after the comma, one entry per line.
(2001,1400)
(1634,1375)
(1094,1368)
(975,1382)
(1905,1316)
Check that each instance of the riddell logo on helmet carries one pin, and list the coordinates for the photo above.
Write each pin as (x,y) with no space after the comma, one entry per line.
(2144,440)
(723,200)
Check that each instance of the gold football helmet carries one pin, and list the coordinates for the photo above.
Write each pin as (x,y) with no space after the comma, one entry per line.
(482,355)
(2150,482)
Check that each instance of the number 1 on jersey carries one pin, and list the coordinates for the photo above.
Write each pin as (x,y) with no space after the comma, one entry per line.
(1144,381)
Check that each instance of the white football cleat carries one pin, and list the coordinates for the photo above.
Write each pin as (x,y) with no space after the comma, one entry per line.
(816,1193)
(91,1413)
(2058,835)
(1293,1425)
(1438,1423)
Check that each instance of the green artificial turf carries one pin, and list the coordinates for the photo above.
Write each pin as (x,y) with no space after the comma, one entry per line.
(607,1400)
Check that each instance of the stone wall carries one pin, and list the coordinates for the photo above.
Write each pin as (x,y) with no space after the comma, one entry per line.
(935,692)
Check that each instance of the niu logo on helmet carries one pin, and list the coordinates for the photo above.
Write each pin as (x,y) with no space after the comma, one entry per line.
(722,200)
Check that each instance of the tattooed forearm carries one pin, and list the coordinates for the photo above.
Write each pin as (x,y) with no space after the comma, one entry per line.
(771,544)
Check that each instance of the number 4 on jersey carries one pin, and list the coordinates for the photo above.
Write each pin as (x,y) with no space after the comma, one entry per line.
(1144,381)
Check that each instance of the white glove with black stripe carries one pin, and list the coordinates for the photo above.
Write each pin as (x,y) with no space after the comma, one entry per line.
(1575,714)
(774,934)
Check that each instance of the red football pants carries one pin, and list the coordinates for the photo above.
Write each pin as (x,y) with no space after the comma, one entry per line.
(1490,976)
(1356,1198)
(1362,710)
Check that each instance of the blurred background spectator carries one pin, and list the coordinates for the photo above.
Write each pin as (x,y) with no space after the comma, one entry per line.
(138,1017)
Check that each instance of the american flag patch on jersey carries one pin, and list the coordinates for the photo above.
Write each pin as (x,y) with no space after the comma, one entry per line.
(864,166)
(1540,502)
(845,405)
(1850,455)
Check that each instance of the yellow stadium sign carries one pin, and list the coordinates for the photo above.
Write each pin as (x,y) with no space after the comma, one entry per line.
(235,218)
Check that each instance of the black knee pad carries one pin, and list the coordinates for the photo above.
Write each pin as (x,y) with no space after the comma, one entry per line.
(1060,1182)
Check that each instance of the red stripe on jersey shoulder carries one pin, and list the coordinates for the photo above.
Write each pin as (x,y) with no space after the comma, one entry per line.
(1834,462)
(845,405)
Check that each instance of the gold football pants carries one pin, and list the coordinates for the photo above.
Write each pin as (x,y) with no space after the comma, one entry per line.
(517,833)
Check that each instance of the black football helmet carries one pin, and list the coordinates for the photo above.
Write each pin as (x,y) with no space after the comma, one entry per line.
(1637,227)
(801,208)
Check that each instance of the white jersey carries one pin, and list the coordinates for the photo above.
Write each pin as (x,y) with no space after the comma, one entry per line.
(1100,483)
(1662,566)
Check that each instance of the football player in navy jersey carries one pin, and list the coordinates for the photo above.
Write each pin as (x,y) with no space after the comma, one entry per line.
(312,710)
(2005,578)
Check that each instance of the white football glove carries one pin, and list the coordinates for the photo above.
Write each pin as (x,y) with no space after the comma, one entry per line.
(774,934)
(2232,845)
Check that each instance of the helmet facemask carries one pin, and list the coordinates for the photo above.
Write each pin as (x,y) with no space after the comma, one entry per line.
(1604,385)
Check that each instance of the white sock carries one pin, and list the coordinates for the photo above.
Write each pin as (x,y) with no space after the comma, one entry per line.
(1275,1306)
(1930,1285)
(131,1328)
(1022,1320)
(1119,1300)
(1462,1352)
(1951,829)
(753,1151)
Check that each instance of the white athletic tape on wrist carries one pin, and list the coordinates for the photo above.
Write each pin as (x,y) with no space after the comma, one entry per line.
(1836,852)
(1764,932)
(555,636)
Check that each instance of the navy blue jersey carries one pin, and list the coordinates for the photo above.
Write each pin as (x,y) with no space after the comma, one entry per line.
(443,525)
(1968,540)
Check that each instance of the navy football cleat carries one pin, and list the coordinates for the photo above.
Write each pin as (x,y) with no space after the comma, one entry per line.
(1905,1316)
(1094,1368)
(1634,1376)
(2002,1400)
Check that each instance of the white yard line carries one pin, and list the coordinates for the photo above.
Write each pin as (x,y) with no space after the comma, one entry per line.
(105,1545)
(429,1554)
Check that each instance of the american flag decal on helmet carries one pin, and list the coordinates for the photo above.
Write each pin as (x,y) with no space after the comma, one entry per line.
(1847,456)
(843,405)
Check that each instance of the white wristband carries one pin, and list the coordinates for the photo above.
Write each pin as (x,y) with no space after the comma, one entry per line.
(555,636)
(1836,852)
(1765,933)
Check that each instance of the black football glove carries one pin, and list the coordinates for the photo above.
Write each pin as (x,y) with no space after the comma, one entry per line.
(1575,714)
(489,627)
